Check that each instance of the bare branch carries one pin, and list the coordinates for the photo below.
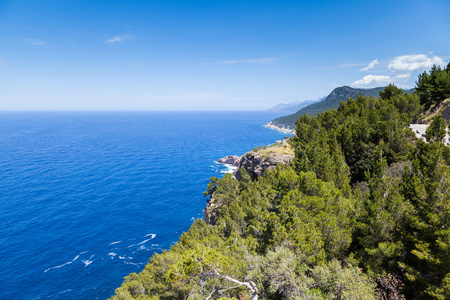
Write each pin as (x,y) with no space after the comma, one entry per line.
(251,285)
(213,291)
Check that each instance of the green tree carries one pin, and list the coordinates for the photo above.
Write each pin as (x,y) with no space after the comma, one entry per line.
(434,86)
(390,91)
(435,133)
(208,267)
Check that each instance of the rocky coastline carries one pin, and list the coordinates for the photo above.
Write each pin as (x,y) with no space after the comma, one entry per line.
(256,163)
(280,128)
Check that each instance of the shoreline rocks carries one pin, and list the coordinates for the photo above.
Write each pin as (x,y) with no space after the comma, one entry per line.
(256,164)
(232,160)
(280,128)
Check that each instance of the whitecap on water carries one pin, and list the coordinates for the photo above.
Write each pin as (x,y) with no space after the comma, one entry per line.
(144,241)
(87,262)
(65,291)
(125,257)
(64,264)
(131,263)
(113,243)
(230,169)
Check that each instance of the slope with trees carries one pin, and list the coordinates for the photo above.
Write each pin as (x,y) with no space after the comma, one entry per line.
(331,101)
(363,212)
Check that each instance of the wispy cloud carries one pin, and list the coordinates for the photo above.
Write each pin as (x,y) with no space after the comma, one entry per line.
(414,63)
(34,42)
(381,80)
(370,66)
(267,60)
(349,65)
(117,39)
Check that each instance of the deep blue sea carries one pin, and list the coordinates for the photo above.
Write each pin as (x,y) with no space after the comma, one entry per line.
(87,197)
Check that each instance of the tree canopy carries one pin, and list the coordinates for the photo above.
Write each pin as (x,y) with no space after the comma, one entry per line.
(363,212)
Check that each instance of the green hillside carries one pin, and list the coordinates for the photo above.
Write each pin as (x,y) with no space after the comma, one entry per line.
(331,101)
(362,212)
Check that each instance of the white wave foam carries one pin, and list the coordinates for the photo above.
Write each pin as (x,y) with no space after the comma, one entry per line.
(87,262)
(112,254)
(113,243)
(151,234)
(143,242)
(125,257)
(230,169)
(64,264)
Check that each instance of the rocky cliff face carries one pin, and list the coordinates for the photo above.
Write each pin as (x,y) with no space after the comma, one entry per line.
(233,160)
(446,114)
(256,163)
(209,215)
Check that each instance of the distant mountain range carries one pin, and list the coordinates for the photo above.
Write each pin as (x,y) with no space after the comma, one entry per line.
(331,101)
(289,108)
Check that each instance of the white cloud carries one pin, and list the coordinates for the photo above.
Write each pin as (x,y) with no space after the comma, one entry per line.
(34,42)
(266,60)
(414,63)
(370,66)
(381,80)
(117,39)
(349,65)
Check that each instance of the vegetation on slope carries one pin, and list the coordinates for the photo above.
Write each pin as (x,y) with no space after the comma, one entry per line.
(363,212)
(331,101)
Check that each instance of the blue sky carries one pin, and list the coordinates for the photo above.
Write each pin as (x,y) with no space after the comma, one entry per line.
(210,55)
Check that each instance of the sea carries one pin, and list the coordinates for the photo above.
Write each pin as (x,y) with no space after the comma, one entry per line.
(87,197)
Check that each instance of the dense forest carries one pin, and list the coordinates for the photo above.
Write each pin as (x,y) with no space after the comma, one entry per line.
(362,212)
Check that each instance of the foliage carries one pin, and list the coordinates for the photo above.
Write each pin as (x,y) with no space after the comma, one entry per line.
(435,133)
(363,212)
(434,87)
(332,101)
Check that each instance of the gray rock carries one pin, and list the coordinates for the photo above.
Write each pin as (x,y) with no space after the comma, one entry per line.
(446,114)
(230,160)
(256,165)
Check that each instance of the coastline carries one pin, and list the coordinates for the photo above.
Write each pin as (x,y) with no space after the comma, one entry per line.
(280,129)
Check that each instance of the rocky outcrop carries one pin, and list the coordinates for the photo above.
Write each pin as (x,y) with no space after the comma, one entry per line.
(446,114)
(280,128)
(256,163)
(232,160)
(209,214)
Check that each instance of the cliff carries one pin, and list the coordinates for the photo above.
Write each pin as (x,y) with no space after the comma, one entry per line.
(255,163)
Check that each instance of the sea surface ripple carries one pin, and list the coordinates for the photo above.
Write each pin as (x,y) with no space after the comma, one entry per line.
(87,197)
